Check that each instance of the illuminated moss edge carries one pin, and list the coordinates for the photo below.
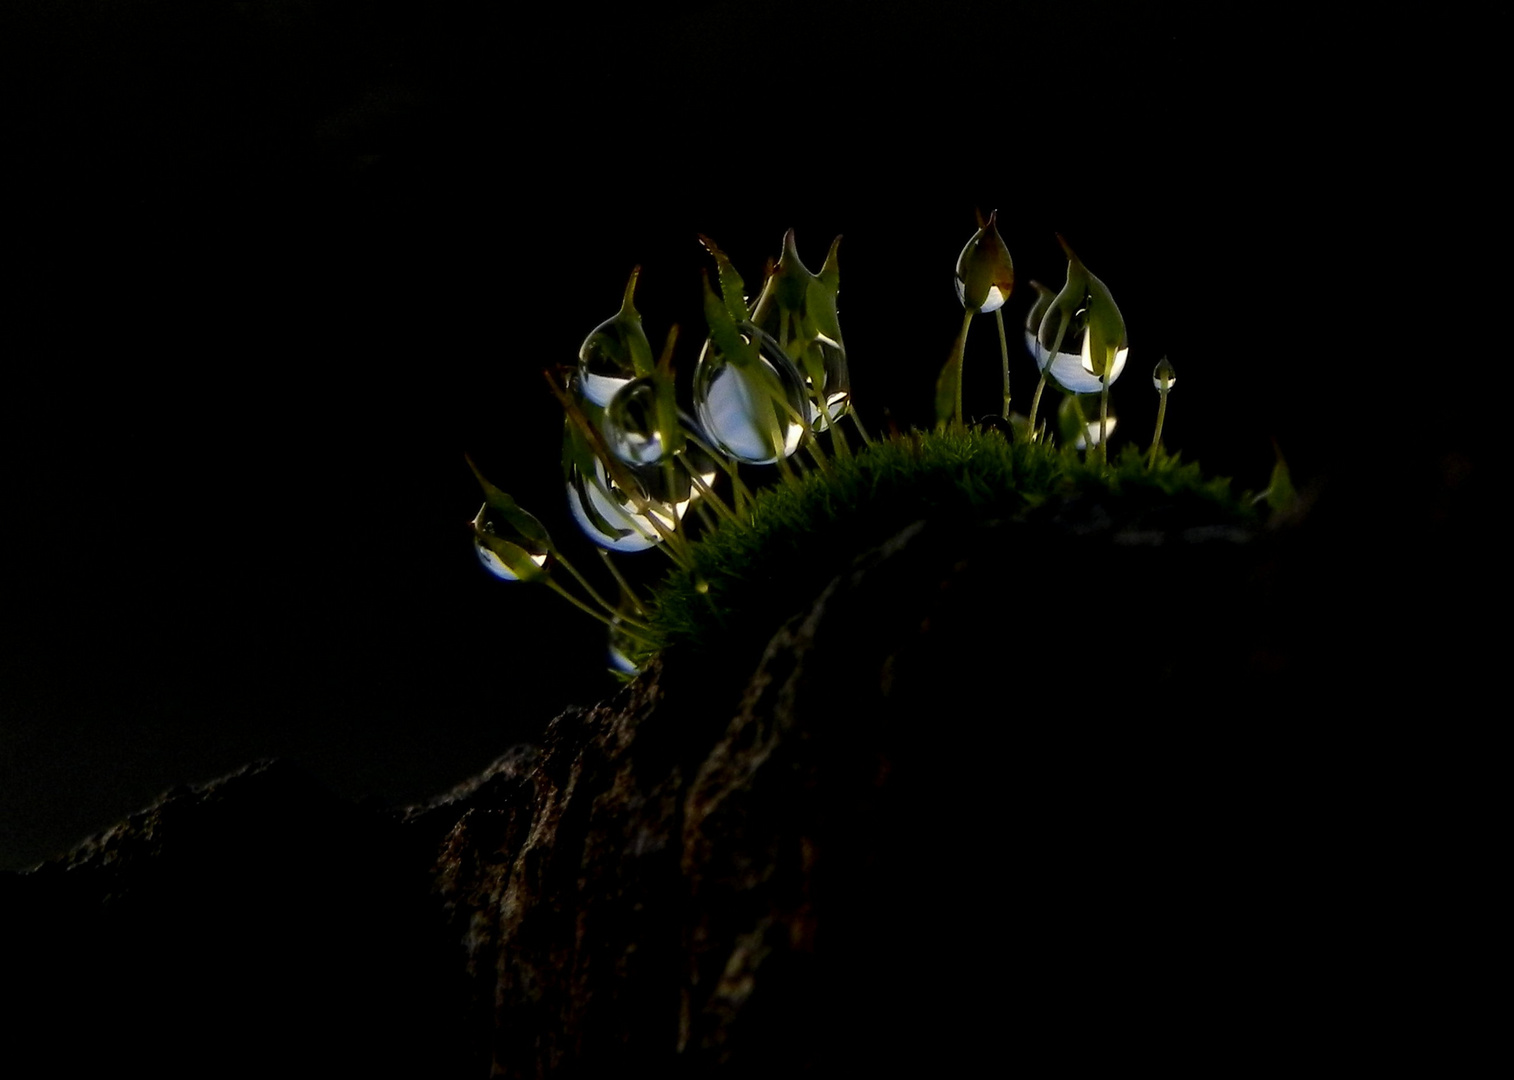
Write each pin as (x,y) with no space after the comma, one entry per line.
(802,534)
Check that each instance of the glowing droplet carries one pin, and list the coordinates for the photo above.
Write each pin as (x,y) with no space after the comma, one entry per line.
(830,401)
(1091,436)
(614,518)
(751,410)
(630,424)
(985,274)
(797,310)
(1071,367)
(1164,371)
(994,301)
(485,522)
(615,352)
(622,648)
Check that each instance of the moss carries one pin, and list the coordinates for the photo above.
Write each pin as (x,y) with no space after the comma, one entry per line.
(747,578)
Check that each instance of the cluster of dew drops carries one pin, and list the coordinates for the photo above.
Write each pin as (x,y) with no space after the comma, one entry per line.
(635,461)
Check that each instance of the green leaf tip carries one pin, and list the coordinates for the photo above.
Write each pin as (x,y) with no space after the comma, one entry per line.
(1281,496)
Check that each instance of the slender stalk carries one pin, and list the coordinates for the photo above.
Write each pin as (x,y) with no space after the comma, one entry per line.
(742,492)
(1104,416)
(588,588)
(948,396)
(1156,440)
(839,445)
(625,586)
(1052,355)
(617,623)
(1004,354)
(961,350)
(706,517)
(1035,404)
(857,422)
(711,499)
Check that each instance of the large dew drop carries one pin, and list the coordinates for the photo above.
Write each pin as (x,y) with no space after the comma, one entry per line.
(752,410)
(985,274)
(1071,366)
(485,522)
(614,518)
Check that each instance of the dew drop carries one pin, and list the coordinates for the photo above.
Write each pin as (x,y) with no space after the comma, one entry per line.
(485,522)
(751,410)
(1071,367)
(1163,370)
(994,301)
(621,648)
(630,424)
(614,351)
(1090,437)
(613,518)
(829,402)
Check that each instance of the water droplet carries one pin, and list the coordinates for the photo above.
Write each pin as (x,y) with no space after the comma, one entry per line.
(985,274)
(995,297)
(751,409)
(598,388)
(1163,370)
(1071,367)
(615,352)
(1091,436)
(622,648)
(1069,325)
(630,424)
(487,521)
(1078,420)
(614,518)
(797,309)
(829,401)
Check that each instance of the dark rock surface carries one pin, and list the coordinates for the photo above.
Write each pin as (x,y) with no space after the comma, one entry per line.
(939,824)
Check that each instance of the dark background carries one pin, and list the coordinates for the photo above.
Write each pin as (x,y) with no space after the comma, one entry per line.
(277,265)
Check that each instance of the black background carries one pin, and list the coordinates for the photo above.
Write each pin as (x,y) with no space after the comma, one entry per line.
(277,266)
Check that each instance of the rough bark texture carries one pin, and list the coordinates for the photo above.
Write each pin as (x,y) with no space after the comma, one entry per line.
(941,823)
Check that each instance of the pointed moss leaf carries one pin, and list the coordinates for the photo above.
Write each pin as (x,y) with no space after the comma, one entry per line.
(508,513)
(797,309)
(732,288)
(1106,329)
(725,332)
(1064,314)
(1281,496)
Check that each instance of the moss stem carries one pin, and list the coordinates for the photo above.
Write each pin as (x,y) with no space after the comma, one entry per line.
(1004,354)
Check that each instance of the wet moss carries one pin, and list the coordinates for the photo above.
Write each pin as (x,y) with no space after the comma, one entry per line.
(746,579)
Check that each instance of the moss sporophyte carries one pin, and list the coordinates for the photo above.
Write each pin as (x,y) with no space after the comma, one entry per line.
(772,399)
